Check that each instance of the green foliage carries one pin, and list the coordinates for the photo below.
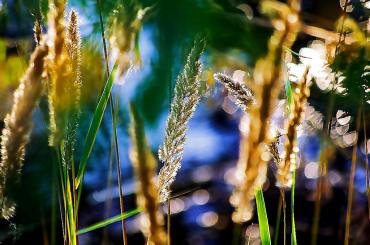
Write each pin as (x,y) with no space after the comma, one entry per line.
(109,221)
(94,126)
(262,218)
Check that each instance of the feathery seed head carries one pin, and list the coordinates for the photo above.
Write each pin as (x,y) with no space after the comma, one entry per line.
(17,129)
(183,105)
(63,74)
(241,93)
(124,27)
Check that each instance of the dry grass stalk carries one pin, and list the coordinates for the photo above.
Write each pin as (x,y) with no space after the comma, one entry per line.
(18,126)
(284,178)
(239,91)
(186,98)
(147,196)
(62,70)
(267,77)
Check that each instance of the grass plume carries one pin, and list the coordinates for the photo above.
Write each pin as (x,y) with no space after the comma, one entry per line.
(284,178)
(73,48)
(266,88)
(147,196)
(124,27)
(186,98)
(239,91)
(63,71)
(18,126)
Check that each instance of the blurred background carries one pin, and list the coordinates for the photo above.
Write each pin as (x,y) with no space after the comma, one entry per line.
(237,36)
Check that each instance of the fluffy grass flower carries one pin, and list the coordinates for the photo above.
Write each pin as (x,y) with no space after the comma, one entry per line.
(187,96)
(18,126)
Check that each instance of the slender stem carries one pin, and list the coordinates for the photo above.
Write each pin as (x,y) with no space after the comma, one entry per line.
(282,194)
(366,163)
(124,234)
(292,206)
(351,182)
(108,203)
(54,194)
(168,221)
(169,199)
(323,162)
(317,208)
(278,220)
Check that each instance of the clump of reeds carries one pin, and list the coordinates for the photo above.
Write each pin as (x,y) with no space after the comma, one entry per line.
(239,91)
(18,124)
(186,97)
(268,82)
(62,70)
(300,95)
(124,26)
(147,196)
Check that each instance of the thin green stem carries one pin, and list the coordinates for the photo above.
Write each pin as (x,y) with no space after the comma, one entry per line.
(294,236)
(114,121)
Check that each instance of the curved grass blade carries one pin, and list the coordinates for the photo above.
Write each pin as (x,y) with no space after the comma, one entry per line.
(94,125)
(109,221)
(262,218)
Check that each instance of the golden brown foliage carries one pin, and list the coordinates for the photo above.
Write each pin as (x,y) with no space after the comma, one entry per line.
(63,70)
(268,81)
(18,126)
(300,95)
(147,196)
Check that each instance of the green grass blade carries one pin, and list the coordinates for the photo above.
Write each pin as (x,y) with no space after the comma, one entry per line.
(262,218)
(109,221)
(71,217)
(288,91)
(94,125)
